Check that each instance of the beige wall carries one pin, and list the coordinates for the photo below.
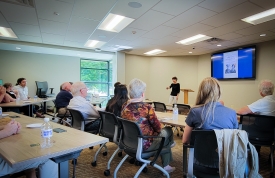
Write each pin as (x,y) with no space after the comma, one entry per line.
(120,67)
(38,67)
(158,71)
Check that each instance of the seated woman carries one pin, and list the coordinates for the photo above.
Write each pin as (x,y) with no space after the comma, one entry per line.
(4,97)
(12,93)
(208,113)
(142,113)
(114,105)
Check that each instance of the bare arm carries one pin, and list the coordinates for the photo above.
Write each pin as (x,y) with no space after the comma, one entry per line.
(244,110)
(8,98)
(187,134)
(11,128)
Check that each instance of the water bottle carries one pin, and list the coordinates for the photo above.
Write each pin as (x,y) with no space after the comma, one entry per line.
(46,134)
(175,112)
(35,98)
(1,112)
(18,100)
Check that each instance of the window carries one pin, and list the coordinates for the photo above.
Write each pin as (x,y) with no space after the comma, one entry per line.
(97,75)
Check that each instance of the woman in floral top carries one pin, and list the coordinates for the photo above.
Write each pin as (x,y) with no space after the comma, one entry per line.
(142,113)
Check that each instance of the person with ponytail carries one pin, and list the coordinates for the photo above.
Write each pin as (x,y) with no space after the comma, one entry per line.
(208,113)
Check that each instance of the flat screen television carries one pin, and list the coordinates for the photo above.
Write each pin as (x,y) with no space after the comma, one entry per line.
(234,64)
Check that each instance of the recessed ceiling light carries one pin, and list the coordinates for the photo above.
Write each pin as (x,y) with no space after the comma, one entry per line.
(134,4)
(190,52)
(261,17)
(194,39)
(115,23)
(18,48)
(262,34)
(7,32)
(154,52)
(94,44)
(219,45)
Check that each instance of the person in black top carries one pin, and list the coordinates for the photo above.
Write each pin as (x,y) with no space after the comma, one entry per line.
(64,96)
(9,91)
(174,96)
(114,105)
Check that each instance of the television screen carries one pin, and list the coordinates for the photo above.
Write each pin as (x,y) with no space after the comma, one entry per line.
(234,64)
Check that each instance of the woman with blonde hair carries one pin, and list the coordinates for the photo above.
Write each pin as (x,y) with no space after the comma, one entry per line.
(208,113)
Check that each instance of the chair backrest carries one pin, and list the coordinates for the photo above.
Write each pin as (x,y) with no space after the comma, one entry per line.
(108,125)
(159,106)
(78,121)
(206,158)
(41,88)
(183,108)
(129,136)
(260,128)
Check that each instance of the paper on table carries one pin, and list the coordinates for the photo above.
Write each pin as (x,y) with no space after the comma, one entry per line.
(35,125)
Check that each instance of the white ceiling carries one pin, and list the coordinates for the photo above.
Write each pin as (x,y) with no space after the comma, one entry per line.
(158,24)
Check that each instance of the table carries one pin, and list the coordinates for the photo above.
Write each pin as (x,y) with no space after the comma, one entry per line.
(29,103)
(98,101)
(180,122)
(16,149)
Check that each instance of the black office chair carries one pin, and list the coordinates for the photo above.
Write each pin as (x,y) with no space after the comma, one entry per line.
(60,115)
(160,107)
(132,141)
(261,131)
(109,128)
(42,89)
(184,110)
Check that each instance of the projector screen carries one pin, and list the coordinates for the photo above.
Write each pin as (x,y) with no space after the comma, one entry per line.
(234,64)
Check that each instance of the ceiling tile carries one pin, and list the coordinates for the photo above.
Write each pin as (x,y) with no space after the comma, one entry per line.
(192,30)
(246,38)
(190,17)
(116,41)
(24,29)
(52,39)
(233,14)
(150,20)
(220,5)
(266,4)
(130,33)
(160,32)
(46,10)
(230,36)
(122,8)
(93,9)
(3,22)
(67,1)
(53,27)
(102,35)
(168,40)
(175,7)
(142,42)
(231,27)
(23,14)
(34,39)
(77,37)
(257,28)
(83,25)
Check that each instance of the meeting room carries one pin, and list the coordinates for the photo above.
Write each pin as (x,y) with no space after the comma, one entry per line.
(144,88)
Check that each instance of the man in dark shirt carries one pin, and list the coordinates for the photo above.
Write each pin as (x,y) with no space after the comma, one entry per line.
(174,96)
(64,96)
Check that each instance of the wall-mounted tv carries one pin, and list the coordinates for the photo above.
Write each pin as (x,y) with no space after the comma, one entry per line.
(234,64)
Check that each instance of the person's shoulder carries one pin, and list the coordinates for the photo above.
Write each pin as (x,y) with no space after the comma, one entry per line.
(226,109)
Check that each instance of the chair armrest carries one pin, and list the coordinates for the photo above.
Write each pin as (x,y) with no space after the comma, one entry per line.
(51,90)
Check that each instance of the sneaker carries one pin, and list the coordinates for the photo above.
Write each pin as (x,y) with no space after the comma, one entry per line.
(173,144)
(169,169)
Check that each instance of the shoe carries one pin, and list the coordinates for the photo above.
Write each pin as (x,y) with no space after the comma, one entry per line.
(173,144)
(169,169)
(39,115)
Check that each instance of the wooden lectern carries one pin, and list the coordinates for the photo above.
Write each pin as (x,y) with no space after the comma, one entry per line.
(185,91)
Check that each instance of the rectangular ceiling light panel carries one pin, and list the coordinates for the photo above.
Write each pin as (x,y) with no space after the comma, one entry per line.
(194,39)
(261,17)
(7,32)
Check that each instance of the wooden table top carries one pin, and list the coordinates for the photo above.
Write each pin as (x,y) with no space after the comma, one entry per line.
(17,149)
(26,102)
(166,118)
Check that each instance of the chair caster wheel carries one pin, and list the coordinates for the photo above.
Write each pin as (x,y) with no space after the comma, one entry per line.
(145,170)
(74,161)
(107,172)
(132,160)
(93,164)
(137,163)
(119,154)
(91,147)
(105,153)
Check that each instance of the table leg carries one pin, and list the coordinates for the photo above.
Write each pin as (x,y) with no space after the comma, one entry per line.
(63,170)
(31,110)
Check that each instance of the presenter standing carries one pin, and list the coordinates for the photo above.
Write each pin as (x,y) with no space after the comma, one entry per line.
(174,96)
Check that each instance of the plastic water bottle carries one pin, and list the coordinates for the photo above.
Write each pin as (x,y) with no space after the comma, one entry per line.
(35,98)
(46,134)
(175,112)
(1,112)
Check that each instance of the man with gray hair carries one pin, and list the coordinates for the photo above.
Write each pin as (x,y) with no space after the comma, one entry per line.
(265,105)
(79,102)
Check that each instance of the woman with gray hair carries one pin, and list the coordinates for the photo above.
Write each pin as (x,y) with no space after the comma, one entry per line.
(265,105)
(142,113)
